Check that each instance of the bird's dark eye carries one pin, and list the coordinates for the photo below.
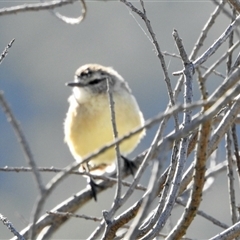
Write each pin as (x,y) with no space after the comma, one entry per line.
(86,73)
(96,81)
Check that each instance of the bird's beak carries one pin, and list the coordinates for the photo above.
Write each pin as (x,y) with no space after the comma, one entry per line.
(74,84)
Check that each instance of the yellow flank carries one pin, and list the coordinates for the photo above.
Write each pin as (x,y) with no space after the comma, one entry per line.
(88,126)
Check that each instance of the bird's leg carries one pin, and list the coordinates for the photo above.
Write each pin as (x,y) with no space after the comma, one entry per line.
(92,183)
(129,166)
(93,186)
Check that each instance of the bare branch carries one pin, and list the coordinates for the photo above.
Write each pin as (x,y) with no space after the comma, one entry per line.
(68,214)
(206,216)
(22,139)
(5,52)
(69,20)
(35,7)
(10,227)
(217,43)
(230,174)
(206,29)
(229,233)
(117,149)
(235,4)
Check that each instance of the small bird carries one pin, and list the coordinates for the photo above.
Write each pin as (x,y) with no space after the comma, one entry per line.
(88,125)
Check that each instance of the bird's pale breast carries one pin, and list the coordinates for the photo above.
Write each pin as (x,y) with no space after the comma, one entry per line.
(88,126)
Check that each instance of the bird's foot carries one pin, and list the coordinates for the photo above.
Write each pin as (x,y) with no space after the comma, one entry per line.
(129,166)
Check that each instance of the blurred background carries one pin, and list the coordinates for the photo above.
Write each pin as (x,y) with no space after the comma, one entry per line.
(44,57)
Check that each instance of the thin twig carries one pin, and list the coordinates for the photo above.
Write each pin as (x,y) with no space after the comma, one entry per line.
(228,234)
(201,66)
(23,141)
(204,215)
(69,20)
(5,52)
(35,7)
(117,149)
(206,29)
(221,59)
(107,215)
(236,149)
(29,158)
(211,50)
(214,47)
(68,214)
(230,175)
(9,225)
(57,170)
